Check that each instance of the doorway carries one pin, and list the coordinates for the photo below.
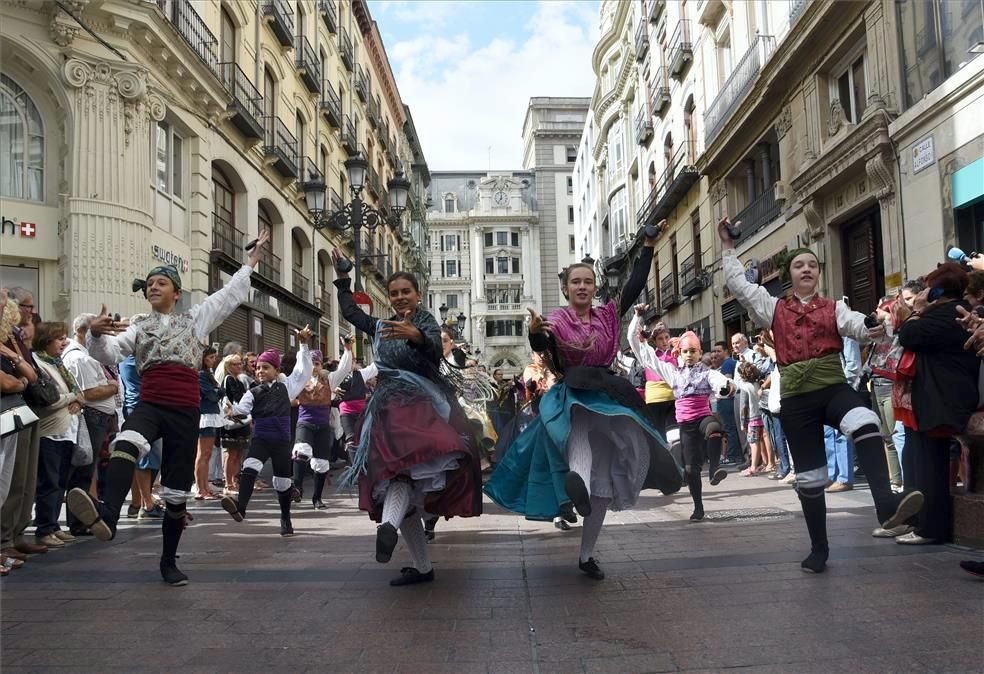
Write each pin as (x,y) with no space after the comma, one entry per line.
(864,266)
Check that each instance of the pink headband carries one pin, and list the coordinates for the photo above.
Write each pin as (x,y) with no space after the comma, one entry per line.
(270,356)
(689,339)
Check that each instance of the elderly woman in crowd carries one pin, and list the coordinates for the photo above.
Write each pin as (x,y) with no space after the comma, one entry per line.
(59,428)
(944,394)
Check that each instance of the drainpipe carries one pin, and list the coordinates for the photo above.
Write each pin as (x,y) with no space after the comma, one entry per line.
(257,68)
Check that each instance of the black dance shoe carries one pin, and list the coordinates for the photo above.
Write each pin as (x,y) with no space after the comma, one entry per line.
(973,568)
(231,506)
(562,524)
(591,569)
(386,538)
(577,492)
(286,528)
(817,561)
(698,515)
(171,575)
(318,504)
(567,512)
(909,506)
(91,514)
(410,576)
(296,494)
(718,476)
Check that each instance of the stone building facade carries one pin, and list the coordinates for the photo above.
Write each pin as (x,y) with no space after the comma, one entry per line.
(178,133)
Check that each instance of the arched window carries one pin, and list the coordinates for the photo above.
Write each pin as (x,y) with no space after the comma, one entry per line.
(301,147)
(227,38)
(691,127)
(225,237)
(449,203)
(22,140)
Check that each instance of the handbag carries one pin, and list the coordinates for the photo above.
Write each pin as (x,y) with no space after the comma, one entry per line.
(42,393)
(16,419)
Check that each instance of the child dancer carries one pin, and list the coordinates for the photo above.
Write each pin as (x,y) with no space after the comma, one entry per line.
(315,433)
(693,384)
(168,346)
(269,402)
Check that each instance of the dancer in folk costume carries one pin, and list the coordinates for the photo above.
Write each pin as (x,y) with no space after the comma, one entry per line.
(316,433)
(592,444)
(693,385)
(416,454)
(168,345)
(269,403)
(809,331)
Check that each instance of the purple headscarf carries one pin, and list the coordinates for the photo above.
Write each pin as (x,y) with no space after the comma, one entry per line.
(594,343)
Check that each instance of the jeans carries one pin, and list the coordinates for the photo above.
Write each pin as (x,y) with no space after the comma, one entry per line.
(898,439)
(726,411)
(54,466)
(81,476)
(840,456)
(774,429)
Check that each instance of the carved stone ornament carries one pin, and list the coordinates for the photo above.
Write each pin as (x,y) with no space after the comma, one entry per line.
(129,82)
(784,122)
(880,176)
(718,191)
(816,227)
(838,119)
(63,31)
(112,88)
(156,107)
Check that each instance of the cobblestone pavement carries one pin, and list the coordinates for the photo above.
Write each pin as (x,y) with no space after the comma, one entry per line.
(719,595)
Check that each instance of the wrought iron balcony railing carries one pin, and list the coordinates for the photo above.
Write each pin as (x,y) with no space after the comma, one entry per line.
(691,277)
(737,85)
(644,126)
(269,266)
(329,14)
(309,172)
(759,213)
(345,48)
(193,30)
(280,16)
(331,104)
(350,141)
(280,145)
(247,104)
(681,49)
(300,284)
(361,83)
(661,91)
(668,292)
(672,186)
(227,239)
(307,64)
(642,41)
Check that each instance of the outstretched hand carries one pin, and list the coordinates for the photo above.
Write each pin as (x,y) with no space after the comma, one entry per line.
(639,308)
(336,255)
(257,252)
(404,329)
(539,326)
(969,320)
(304,335)
(103,324)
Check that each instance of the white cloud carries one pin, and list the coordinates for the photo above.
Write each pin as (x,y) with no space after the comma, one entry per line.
(466,99)
(435,13)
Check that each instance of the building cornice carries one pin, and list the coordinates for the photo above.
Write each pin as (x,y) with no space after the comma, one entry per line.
(611,37)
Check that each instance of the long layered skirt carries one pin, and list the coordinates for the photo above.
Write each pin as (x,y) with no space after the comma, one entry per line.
(595,407)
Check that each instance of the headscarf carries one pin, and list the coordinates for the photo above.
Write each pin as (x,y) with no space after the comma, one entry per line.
(271,356)
(163,270)
(317,356)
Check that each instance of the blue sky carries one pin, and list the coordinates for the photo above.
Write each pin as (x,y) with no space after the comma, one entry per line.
(467,69)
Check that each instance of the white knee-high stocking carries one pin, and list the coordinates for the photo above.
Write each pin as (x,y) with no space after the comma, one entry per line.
(412,530)
(592,526)
(579,457)
(396,503)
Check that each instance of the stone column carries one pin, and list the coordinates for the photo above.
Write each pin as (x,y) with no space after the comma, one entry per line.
(108,215)
(750,180)
(478,264)
(765,163)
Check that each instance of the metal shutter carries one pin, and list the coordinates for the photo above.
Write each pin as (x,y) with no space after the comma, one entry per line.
(274,335)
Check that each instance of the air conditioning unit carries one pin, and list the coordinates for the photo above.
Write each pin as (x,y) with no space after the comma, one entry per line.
(783,191)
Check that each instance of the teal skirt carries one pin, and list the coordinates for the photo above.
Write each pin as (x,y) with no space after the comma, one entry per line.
(628,452)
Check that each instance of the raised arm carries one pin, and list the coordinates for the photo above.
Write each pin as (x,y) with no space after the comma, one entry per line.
(218,306)
(344,368)
(301,372)
(646,354)
(637,279)
(351,311)
(760,304)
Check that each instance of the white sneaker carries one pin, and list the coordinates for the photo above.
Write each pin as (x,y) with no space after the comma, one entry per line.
(789,479)
(50,540)
(912,538)
(894,532)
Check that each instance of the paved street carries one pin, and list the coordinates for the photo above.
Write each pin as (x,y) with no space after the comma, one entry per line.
(723,594)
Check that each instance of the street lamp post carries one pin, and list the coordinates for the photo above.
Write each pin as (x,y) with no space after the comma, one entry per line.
(356,214)
(458,328)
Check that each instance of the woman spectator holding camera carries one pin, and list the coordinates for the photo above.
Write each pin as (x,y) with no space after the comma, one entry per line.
(944,395)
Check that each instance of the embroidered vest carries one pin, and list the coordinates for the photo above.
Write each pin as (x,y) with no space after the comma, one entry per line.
(173,342)
(693,382)
(805,331)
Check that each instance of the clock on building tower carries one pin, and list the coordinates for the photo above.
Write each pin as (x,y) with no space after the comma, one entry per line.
(500,198)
